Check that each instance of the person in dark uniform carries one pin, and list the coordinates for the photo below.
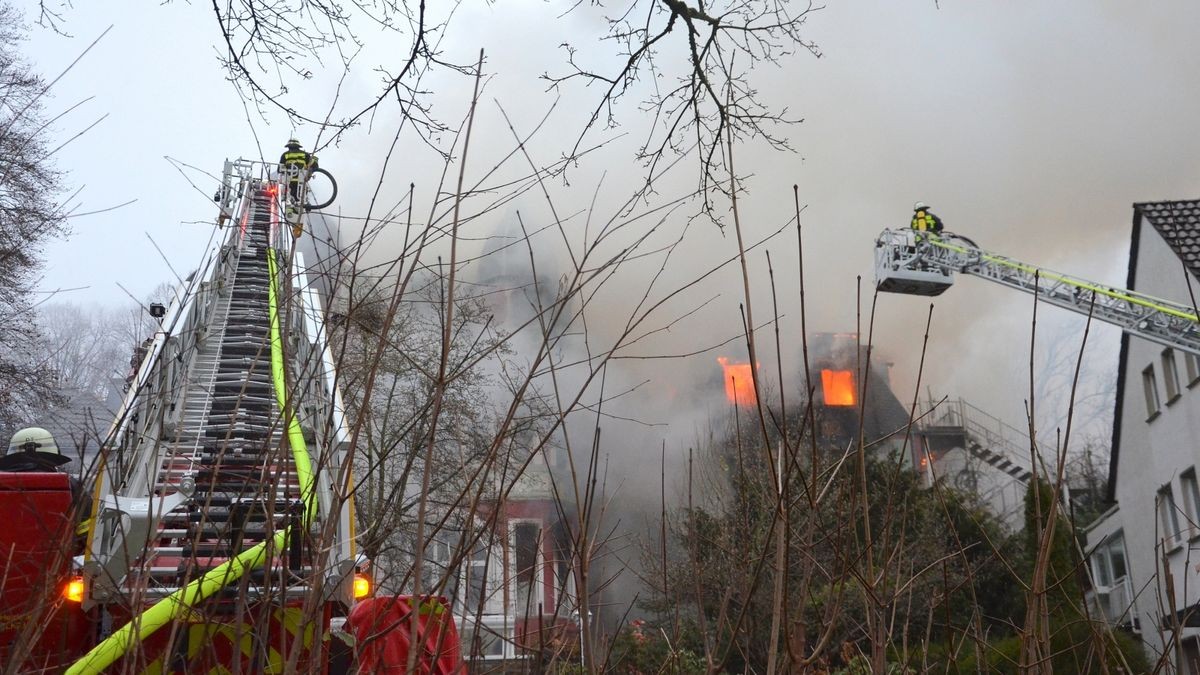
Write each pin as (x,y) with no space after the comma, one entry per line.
(923,219)
(297,164)
(33,450)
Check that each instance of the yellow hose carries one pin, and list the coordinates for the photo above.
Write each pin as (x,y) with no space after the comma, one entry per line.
(181,602)
(295,435)
(172,607)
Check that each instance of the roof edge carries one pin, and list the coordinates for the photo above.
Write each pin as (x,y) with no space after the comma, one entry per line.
(1119,400)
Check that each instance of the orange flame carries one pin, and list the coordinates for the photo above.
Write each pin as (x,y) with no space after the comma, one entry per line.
(739,382)
(838,386)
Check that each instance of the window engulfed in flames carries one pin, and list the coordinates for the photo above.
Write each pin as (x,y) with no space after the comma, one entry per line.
(739,382)
(838,386)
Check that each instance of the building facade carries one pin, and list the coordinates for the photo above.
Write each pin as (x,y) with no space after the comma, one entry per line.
(1143,553)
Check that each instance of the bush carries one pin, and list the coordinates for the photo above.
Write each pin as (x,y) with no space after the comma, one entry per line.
(1075,649)
(642,648)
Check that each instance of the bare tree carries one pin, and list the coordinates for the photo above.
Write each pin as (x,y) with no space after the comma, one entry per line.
(707,51)
(30,216)
(85,348)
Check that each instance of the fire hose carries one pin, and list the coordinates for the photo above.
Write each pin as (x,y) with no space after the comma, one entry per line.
(333,196)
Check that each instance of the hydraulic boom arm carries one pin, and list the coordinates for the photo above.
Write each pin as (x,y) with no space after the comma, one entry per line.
(906,262)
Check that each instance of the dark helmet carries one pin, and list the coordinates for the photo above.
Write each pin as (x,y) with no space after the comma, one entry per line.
(293,144)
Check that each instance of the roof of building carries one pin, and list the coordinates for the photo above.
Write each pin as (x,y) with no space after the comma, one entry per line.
(1178,222)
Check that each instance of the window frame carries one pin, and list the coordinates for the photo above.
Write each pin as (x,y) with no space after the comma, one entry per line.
(1168,516)
(537,581)
(1101,571)
(1170,375)
(1191,368)
(1150,389)
(492,633)
(1189,485)
(1116,544)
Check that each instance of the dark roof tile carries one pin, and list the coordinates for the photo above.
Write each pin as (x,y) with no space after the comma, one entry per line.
(1178,223)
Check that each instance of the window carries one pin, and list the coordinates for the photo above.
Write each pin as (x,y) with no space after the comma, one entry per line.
(1170,375)
(1191,655)
(1100,570)
(1168,516)
(471,579)
(1108,562)
(1191,364)
(527,544)
(477,574)
(1191,500)
(482,640)
(437,574)
(1151,387)
(1116,557)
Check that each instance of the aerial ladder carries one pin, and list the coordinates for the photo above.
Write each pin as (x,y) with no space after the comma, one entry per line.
(923,263)
(222,535)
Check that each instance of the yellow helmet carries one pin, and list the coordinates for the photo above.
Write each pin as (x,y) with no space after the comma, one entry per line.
(36,440)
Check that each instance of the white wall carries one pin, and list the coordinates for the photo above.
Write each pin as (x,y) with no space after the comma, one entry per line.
(1153,452)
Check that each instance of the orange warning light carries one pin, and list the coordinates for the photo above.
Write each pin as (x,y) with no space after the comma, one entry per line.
(73,591)
(362,586)
(739,382)
(838,386)
(272,190)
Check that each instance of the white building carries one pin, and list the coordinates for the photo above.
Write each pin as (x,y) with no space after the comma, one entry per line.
(1155,526)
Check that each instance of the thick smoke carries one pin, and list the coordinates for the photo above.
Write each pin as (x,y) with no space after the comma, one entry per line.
(1029,129)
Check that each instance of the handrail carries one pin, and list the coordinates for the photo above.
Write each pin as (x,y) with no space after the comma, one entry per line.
(1133,297)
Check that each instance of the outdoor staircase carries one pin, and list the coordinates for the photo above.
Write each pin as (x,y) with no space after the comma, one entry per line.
(956,423)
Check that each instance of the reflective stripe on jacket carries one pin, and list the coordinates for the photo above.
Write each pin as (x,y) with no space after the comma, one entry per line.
(925,221)
(298,159)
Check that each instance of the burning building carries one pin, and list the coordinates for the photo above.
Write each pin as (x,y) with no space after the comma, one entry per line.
(844,399)
(851,393)
(739,382)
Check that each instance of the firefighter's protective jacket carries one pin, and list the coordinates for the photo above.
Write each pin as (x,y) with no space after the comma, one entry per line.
(924,221)
(298,159)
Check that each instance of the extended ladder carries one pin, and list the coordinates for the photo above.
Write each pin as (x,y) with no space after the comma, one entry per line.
(222,539)
(924,264)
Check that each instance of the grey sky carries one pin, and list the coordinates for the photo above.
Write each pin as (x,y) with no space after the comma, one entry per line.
(1029,126)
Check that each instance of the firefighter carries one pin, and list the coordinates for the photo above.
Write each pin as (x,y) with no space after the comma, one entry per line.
(32,450)
(297,164)
(923,219)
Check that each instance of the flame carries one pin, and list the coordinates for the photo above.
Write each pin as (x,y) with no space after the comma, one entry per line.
(838,386)
(739,382)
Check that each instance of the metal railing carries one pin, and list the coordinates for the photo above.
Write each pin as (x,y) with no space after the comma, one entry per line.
(989,431)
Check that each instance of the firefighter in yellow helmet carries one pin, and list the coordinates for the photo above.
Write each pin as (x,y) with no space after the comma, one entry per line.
(297,164)
(923,219)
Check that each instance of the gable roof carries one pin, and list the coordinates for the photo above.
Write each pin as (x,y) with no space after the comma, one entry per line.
(1178,223)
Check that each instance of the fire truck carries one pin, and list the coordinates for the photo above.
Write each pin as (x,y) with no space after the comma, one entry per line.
(218,535)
